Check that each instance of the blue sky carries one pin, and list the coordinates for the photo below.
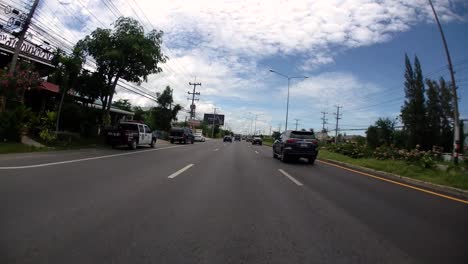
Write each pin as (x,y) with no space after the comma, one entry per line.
(351,50)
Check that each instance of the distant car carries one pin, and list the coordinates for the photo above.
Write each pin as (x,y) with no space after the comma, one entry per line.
(293,145)
(227,139)
(237,138)
(248,139)
(199,137)
(257,140)
(132,134)
(181,135)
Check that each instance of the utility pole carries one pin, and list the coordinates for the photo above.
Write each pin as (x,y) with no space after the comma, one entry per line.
(193,93)
(338,117)
(255,129)
(297,120)
(212,127)
(324,120)
(456,117)
(21,36)
(270,131)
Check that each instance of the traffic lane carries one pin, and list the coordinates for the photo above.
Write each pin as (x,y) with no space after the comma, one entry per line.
(25,159)
(235,209)
(44,206)
(404,216)
(214,216)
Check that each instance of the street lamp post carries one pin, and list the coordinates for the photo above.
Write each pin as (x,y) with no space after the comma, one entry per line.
(287,101)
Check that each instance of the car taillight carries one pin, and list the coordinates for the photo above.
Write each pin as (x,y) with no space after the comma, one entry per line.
(315,142)
(291,141)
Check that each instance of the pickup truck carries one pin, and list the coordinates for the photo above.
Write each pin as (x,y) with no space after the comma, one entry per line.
(132,134)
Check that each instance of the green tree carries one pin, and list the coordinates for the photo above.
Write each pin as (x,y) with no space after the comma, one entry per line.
(276,135)
(164,113)
(447,115)
(434,112)
(381,133)
(124,52)
(413,112)
(92,86)
(123,104)
(67,71)
(140,114)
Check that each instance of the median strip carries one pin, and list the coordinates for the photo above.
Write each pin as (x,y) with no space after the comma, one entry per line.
(177,173)
(290,177)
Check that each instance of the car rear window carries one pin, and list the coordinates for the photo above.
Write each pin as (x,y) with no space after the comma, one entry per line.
(302,135)
(177,132)
(132,127)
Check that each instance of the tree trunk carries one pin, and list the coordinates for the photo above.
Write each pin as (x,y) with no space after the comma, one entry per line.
(60,110)
(111,95)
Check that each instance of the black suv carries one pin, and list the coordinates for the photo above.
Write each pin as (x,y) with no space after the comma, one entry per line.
(296,144)
(227,139)
(257,140)
(181,135)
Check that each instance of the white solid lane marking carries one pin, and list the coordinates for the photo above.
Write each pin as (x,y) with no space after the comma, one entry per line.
(175,174)
(216,149)
(84,159)
(256,152)
(290,177)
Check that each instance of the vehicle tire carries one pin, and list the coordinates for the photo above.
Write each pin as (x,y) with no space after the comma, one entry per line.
(133,144)
(184,142)
(260,144)
(193,141)
(172,141)
(284,157)
(153,142)
(311,161)
(274,155)
(113,146)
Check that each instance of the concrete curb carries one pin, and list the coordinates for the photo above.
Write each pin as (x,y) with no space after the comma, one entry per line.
(459,193)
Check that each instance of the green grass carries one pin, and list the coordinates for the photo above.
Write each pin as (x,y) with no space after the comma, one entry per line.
(268,141)
(454,177)
(11,147)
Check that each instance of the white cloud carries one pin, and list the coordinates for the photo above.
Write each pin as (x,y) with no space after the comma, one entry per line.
(222,43)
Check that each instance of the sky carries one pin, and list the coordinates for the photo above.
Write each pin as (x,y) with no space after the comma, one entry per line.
(352,52)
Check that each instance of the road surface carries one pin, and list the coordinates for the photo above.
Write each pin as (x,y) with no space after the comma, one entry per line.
(215,202)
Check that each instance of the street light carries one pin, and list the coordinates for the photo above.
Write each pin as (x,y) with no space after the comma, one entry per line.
(287,101)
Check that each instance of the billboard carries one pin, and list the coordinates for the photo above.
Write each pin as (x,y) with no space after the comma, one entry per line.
(218,119)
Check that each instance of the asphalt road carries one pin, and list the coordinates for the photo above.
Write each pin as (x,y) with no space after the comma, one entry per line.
(215,203)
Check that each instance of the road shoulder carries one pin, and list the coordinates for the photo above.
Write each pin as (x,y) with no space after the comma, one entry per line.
(463,194)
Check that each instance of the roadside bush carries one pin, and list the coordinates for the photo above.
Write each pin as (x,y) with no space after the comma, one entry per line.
(352,150)
(425,159)
(47,127)
(13,123)
(47,136)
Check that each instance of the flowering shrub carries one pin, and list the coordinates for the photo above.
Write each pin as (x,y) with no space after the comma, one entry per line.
(14,85)
(425,159)
(352,150)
